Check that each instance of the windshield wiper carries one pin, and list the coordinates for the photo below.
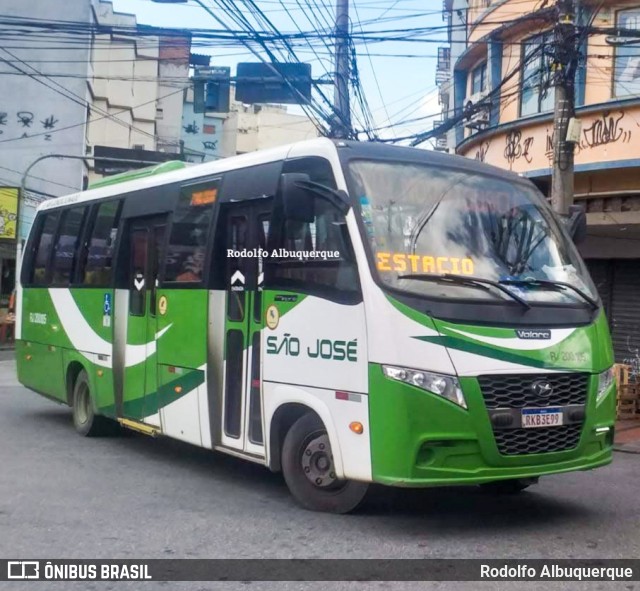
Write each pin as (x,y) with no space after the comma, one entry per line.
(552,285)
(468,280)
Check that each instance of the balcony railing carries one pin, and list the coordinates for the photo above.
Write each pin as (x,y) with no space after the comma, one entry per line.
(440,141)
(443,66)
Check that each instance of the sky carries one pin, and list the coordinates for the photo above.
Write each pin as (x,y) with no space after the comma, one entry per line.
(398,89)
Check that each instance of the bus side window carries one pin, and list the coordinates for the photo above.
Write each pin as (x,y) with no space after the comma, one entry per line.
(98,258)
(332,272)
(189,233)
(42,254)
(65,251)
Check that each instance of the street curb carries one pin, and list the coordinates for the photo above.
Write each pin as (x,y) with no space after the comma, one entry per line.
(628,448)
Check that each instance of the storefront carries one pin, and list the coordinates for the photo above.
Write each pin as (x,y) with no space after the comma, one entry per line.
(8,225)
(618,283)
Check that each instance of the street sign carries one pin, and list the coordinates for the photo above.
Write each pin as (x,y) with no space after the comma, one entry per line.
(273,83)
(211,89)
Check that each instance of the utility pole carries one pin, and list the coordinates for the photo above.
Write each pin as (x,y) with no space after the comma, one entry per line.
(564,71)
(342,128)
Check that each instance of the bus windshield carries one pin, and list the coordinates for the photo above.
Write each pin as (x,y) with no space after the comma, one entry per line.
(423,223)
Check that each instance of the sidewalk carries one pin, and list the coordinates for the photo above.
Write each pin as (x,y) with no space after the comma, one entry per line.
(628,436)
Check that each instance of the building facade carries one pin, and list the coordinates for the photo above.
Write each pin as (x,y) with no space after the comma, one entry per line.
(202,133)
(503,65)
(42,112)
(136,80)
(245,128)
(79,82)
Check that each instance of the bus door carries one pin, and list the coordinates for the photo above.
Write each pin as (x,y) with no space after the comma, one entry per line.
(146,241)
(247,227)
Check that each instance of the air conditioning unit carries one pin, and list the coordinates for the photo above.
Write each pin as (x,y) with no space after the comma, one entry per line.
(479,117)
(474,99)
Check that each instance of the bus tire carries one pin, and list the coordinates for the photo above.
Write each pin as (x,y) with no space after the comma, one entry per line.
(508,487)
(85,420)
(307,465)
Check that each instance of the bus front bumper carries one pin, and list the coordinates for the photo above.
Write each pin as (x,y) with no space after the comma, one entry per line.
(459,465)
(419,439)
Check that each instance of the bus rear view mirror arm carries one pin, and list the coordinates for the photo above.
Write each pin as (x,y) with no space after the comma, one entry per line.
(297,191)
(337,198)
(576,223)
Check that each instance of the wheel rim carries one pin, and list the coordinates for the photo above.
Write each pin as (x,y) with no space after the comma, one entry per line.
(317,462)
(82,404)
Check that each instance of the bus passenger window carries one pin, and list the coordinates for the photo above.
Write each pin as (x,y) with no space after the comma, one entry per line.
(43,250)
(138,271)
(99,256)
(189,232)
(65,251)
(327,265)
(319,258)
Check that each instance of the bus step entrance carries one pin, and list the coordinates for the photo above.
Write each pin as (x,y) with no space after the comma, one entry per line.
(139,427)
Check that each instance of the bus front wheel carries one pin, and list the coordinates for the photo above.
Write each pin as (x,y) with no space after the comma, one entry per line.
(307,464)
(85,420)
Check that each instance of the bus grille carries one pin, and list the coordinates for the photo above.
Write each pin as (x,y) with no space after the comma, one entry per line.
(513,442)
(515,391)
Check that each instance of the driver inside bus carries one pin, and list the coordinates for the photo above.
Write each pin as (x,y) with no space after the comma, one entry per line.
(192,267)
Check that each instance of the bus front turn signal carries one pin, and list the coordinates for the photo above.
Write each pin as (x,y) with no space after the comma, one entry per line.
(356,427)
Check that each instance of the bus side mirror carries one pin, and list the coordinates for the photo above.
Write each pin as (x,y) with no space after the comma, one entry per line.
(297,201)
(577,223)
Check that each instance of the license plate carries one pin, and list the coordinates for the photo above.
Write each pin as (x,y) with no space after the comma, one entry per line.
(534,418)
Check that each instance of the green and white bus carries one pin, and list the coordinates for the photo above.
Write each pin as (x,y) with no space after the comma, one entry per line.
(343,312)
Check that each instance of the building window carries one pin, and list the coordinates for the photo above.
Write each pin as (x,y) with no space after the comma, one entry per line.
(626,80)
(536,84)
(479,78)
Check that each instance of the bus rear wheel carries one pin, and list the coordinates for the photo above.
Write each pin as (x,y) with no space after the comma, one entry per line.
(307,464)
(85,420)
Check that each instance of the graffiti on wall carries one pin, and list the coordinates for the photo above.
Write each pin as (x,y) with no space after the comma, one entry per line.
(606,129)
(192,128)
(633,360)
(603,136)
(481,153)
(26,125)
(516,147)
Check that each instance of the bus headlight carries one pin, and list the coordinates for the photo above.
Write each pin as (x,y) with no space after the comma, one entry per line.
(442,385)
(605,380)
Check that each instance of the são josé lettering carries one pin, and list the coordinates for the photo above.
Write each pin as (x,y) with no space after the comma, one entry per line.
(323,348)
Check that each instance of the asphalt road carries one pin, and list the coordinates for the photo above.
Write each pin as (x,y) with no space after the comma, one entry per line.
(128,496)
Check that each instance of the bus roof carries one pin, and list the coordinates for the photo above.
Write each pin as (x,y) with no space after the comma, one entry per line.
(140,173)
(172,172)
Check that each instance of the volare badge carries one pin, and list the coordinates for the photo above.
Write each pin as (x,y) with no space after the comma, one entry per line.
(272,317)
